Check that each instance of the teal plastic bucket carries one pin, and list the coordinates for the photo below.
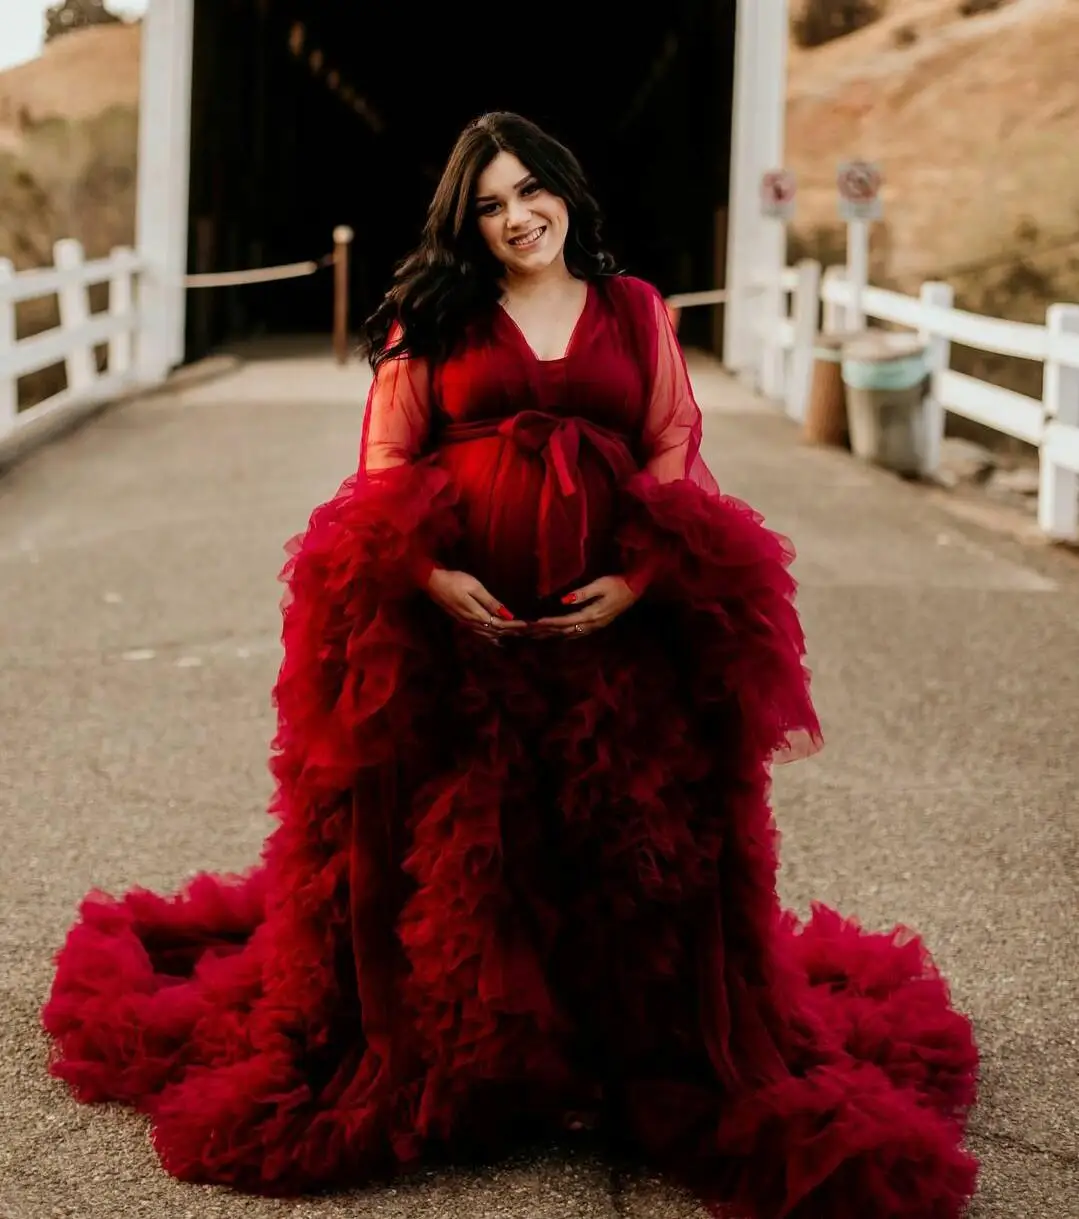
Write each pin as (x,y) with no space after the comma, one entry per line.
(888,374)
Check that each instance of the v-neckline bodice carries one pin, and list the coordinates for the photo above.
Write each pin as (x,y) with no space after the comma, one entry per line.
(571,343)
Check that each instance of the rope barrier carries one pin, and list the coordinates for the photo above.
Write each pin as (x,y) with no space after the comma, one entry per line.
(261,275)
(684,300)
(338,259)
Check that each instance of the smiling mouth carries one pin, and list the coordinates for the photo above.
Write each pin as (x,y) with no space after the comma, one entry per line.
(528,239)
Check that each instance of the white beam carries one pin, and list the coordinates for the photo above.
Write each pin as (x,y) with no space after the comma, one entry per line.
(756,247)
(163,174)
(736,339)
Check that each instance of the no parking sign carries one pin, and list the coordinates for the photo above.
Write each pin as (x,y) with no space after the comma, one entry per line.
(778,190)
(859,185)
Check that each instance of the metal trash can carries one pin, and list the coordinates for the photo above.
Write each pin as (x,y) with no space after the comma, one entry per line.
(886,377)
(826,407)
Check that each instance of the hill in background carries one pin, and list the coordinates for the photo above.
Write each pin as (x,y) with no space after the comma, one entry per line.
(973,120)
(68,159)
(68,145)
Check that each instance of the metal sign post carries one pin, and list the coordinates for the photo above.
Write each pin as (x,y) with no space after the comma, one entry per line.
(859,184)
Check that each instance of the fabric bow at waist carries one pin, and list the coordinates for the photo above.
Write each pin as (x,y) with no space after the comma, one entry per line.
(562,528)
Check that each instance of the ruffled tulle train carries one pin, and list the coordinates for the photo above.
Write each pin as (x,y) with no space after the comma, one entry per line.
(505,878)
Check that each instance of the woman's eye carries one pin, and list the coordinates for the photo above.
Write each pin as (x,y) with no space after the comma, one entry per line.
(531,188)
(486,209)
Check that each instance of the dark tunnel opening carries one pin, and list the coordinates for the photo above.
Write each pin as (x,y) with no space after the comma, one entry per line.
(307,118)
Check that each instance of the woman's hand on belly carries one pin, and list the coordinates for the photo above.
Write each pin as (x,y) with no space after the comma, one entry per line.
(601,603)
(466,600)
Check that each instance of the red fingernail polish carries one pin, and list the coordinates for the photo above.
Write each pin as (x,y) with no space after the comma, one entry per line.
(504,614)
(569,598)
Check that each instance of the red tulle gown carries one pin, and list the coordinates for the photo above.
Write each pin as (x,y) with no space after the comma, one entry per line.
(507,880)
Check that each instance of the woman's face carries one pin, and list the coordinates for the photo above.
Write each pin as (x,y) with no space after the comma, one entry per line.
(524,225)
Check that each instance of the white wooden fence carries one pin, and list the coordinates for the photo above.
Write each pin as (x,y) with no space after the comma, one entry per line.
(1051,423)
(808,299)
(73,341)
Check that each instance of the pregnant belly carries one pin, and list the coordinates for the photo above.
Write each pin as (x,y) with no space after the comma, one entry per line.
(535,527)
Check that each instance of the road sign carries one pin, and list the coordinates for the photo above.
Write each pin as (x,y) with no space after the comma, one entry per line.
(778,189)
(859,185)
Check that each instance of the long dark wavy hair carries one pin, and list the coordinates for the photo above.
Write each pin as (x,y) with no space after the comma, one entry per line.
(452,275)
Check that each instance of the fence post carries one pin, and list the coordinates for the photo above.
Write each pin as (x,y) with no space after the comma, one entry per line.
(121,300)
(9,384)
(806,324)
(1058,487)
(941,296)
(75,315)
(835,314)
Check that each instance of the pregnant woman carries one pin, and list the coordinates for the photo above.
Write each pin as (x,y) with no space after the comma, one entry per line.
(536,670)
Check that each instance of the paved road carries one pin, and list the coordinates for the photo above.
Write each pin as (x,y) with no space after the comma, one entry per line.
(138,643)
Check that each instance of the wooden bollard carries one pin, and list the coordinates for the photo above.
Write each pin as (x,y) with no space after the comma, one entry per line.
(342,239)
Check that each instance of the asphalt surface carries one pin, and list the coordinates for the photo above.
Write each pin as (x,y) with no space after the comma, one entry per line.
(139,640)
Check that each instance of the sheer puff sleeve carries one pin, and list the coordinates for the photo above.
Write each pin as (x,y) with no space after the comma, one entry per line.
(396,429)
(709,559)
(397,419)
(376,538)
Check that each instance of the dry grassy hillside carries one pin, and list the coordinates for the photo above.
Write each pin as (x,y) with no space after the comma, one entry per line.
(76,77)
(974,121)
(69,124)
(68,148)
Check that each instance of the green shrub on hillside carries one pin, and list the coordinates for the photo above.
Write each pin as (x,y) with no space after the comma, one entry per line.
(816,22)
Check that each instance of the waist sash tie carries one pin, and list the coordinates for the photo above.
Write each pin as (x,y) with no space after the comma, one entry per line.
(562,528)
